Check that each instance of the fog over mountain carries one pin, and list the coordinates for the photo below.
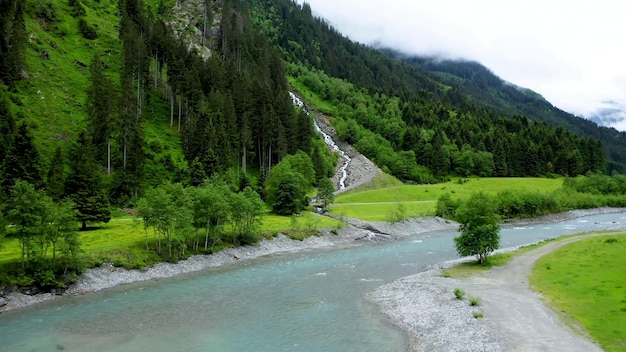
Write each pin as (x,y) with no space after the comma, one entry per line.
(564,50)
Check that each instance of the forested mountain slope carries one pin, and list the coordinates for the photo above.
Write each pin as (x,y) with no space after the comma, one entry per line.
(313,43)
(156,104)
(483,88)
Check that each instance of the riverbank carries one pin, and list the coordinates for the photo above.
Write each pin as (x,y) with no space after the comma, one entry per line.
(425,306)
(360,233)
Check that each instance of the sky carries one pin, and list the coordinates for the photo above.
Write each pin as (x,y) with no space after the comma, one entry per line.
(572,52)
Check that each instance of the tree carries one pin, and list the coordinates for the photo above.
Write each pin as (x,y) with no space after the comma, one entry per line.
(289,182)
(26,212)
(245,216)
(211,210)
(168,210)
(55,182)
(325,193)
(84,184)
(285,190)
(479,227)
(21,161)
(100,110)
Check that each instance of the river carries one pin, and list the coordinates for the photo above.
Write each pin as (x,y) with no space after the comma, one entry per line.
(310,301)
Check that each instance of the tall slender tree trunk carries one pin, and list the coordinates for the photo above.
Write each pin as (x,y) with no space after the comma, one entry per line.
(109,157)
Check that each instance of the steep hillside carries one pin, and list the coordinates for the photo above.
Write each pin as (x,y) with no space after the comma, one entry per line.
(313,43)
(166,90)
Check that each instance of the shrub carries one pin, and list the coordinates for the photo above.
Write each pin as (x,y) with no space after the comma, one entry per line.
(459,293)
(87,30)
(78,10)
(478,315)
(474,301)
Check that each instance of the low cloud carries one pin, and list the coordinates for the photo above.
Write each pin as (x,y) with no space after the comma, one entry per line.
(568,51)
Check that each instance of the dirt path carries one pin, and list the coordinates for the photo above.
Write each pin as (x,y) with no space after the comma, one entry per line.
(525,321)
(515,317)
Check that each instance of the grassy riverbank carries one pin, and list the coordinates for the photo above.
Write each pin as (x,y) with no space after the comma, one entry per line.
(585,281)
(122,241)
(389,202)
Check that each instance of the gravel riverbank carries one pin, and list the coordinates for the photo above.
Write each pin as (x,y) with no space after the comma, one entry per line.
(108,276)
(515,318)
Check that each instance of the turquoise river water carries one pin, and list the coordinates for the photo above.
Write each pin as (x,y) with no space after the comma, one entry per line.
(311,301)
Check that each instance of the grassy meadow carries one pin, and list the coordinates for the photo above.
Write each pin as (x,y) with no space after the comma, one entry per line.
(380,204)
(585,281)
(122,241)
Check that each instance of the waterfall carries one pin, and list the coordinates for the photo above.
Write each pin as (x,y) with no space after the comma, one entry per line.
(328,140)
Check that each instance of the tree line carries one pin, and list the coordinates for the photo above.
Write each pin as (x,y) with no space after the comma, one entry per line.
(424,141)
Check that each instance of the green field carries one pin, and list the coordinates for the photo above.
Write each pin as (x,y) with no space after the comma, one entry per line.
(586,281)
(420,200)
(123,239)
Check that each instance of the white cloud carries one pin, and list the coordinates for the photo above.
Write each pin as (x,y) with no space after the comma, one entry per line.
(570,52)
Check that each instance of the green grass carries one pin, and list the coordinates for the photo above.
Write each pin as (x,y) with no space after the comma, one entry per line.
(376,201)
(53,98)
(586,281)
(382,212)
(123,239)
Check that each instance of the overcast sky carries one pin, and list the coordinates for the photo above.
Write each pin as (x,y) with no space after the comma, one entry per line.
(571,52)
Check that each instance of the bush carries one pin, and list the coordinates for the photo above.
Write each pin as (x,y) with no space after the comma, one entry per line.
(87,30)
(474,301)
(478,315)
(459,293)
(78,10)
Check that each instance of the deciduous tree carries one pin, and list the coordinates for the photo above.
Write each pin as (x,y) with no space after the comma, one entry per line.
(479,227)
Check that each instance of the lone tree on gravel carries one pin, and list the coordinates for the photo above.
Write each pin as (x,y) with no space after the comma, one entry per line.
(480,227)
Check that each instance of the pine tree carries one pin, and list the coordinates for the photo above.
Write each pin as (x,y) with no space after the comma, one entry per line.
(21,161)
(84,185)
(56,176)
(100,106)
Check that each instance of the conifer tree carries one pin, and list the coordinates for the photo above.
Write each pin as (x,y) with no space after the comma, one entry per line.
(84,185)
(21,161)
(100,106)
(56,176)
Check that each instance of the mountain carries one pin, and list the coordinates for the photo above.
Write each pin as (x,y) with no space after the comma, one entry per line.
(485,89)
(183,90)
(313,42)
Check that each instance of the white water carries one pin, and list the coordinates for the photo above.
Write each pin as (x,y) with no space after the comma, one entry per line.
(328,140)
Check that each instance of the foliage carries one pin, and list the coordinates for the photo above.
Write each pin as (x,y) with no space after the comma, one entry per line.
(287,186)
(325,193)
(40,225)
(21,161)
(84,184)
(211,211)
(584,280)
(479,227)
(478,315)
(459,293)
(474,301)
(446,207)
(168,210)
(246,215)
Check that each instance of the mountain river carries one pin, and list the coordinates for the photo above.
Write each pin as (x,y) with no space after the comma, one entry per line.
(310,301)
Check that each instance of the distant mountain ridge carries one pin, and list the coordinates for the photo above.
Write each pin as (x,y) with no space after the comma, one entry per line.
(484,88)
